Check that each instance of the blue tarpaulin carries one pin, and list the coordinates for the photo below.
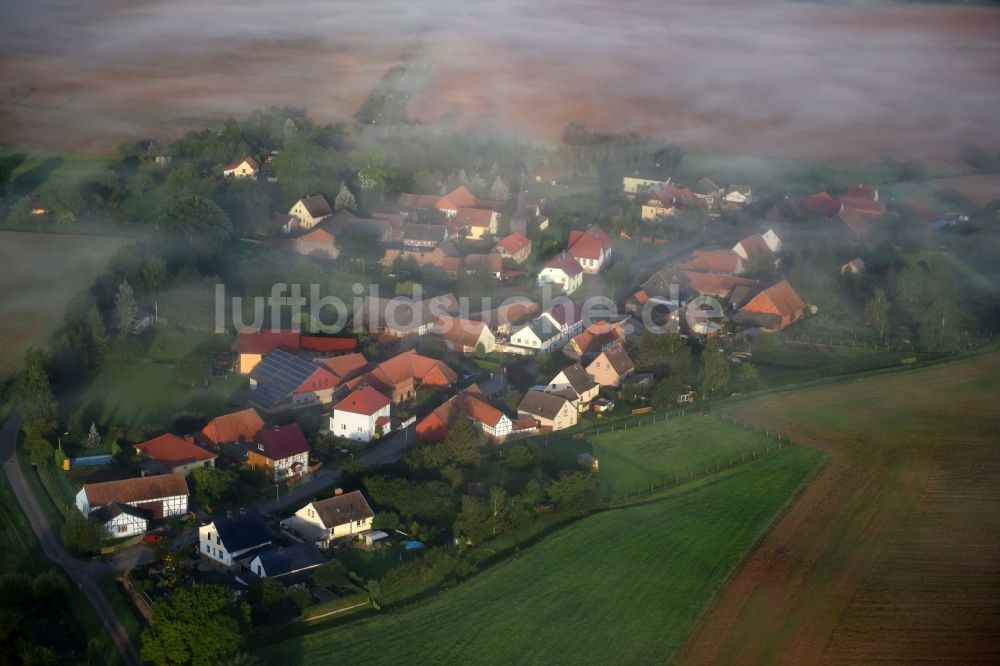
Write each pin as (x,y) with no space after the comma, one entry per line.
(413,545)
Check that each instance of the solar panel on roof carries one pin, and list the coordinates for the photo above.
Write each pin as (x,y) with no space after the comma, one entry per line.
(278,374)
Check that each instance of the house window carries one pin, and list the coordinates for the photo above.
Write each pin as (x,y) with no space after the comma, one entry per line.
(122,528)
(218,541)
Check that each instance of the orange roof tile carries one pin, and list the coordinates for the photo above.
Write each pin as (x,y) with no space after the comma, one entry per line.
(235,427)
(172,450)
(365,400)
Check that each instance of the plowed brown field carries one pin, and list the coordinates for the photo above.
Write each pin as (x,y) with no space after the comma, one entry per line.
(892,553)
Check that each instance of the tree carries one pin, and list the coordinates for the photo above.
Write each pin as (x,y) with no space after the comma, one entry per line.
(126,309)
(499,190)
(212,486)
(667,391)
(385,520)
(154,273)
(82,535)
(98,334)
(462,443)
(93,437)
(664,353)
(499,508)
(63,199)
(472,520)
(345,200)
(748,372)
(360,244)
(938,326)
(575,493)
(19,216)
(200,624)
(518,456)
(760,266)
(40,450)
(877,311)
(194,228)
(38,407)
(715,371)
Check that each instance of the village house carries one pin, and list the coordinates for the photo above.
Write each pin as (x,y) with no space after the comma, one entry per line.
(418,202)
(539,336)
(576,385)
(283,381)
(139,500)
(597,337)
(707,191)
(493,423)
(255,345)
(235,428)
(864,199)
(170,454)
(552,412)
(510,314)
(516,247)
(772,309)
(821,203)
(611,367)
(423,237)
(591,248)
(767,242)
(363,415)
(286,561)
(460,197)
(245,168)
(280,452)
(311,210)
(855,266)
(345,367)
(323,522)
(858,225)
(724,262)
(465,336)
(737,197)
(632,185)
(317,241)
(654,209)
(564,270)
(227,539)
(402,375)
(478,222)
(402,317)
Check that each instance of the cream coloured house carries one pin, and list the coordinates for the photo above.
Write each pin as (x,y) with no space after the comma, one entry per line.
(563,270)
(246,168)
(632,185)
(551,411)
(339,517)
(311,210)
(611,367)
(576,385)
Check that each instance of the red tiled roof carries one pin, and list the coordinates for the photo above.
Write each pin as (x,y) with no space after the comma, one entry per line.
(410,365)
(858,222)
(248,159)
(418,201)
(172,450)
(237,426)
(283,441)
(780,299)
(863,205)
(460,197)
(709,284)
(266,341)
(513,243)
(319,236)
(138,490)
(754,243)
(589,244)
(473,217)
(458,331)
(346,366)
(326,344)
(565,262)
(482,412)
(861,191)
(821,203)
(365,400)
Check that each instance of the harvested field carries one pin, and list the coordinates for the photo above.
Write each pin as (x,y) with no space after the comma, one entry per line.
(749,77)
(41,273)
(893,552)
(980,189)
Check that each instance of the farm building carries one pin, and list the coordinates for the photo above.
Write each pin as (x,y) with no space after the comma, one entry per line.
(156,497)
(283,381)
(170,454)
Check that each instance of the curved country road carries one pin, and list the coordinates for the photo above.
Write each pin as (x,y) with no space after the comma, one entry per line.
(83,574)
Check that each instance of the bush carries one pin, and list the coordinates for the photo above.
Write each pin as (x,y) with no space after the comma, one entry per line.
(82,535)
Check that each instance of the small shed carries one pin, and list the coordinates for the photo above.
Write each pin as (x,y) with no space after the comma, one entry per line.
(602,405)
(588,461)
(374,537)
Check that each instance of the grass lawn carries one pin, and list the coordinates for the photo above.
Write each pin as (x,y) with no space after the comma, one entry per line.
(144,391)
(622,586)
(42,272)
(19,549)
(32,168)
(632,459)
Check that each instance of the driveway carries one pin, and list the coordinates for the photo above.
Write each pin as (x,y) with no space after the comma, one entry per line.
(83,574)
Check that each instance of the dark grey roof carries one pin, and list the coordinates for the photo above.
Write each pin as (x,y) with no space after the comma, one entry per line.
(317,205)
(380,229)
(424,232)
(638,378)
(578,378)
(113,510)
(546,405)
(277,375)
(291,559)
(342,509)
(242,532)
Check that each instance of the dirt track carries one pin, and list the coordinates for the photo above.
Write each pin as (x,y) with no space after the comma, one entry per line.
(755,77)
(893,552)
